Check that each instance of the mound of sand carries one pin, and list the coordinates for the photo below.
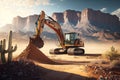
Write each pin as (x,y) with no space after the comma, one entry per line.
(33,53)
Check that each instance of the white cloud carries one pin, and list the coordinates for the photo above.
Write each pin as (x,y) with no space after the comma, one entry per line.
(12,8)
(103,10)
(25,3)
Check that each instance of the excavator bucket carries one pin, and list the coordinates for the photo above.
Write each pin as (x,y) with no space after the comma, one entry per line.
(37,41)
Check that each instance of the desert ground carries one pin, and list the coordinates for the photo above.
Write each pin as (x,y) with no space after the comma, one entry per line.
(77,65)
(71,67)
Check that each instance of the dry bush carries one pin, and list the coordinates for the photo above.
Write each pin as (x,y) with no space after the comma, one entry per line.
(111,55)
(115,64)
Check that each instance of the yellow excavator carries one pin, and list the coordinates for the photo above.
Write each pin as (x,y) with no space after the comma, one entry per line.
(70,42)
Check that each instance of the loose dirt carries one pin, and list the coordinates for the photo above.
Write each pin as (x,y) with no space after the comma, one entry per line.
(33,53)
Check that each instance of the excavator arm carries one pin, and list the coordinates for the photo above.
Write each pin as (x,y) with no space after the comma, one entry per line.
(57,28)
(52,24)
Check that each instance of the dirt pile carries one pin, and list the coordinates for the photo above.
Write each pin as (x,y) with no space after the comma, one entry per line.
(33,53)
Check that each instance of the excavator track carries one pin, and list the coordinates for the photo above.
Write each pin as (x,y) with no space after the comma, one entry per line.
(75,51)
(57,51)
(69,51)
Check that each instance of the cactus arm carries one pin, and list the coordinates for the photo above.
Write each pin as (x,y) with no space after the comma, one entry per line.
(15,48)
(4,44)
(10,53)
(0,46)
(3,51)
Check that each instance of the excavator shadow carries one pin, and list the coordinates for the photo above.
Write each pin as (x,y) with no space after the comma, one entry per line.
(92,55)
(63,62)
(66,62)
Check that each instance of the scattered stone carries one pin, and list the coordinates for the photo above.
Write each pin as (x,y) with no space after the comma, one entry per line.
(101,77)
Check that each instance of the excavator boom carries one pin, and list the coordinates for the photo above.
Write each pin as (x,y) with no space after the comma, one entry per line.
(56,27)
(52,24)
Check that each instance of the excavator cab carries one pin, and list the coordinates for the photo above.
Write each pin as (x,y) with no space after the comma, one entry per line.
(73,39)
(72,45)
(70,38)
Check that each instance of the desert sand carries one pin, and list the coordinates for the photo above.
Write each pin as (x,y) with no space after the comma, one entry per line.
(63,67)
(74,65)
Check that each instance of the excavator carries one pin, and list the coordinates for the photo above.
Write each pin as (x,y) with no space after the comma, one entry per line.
(70,42)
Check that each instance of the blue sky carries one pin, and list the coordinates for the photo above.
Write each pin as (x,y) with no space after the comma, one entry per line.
(61,5)
(12,8)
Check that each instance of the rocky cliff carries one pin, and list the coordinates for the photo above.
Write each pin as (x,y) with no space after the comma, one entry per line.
(100,20)
(24,23)
(93,22)
(88,22)
(30,23)
(89,17)
(117,13)
(58,17)
(71,16)
(68,19)
(68,16)
(19,22)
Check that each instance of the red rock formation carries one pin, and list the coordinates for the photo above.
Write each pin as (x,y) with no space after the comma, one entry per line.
(100,20)
(58,17)
(68,16)
(86,22)
(19,22)
(105,35)
(71,16)
(30,23)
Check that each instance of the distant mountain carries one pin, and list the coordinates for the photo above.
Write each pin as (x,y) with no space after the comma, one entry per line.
(68,19)
(106,35)
(24,24)
(117,13)
(68,16)
(91,24)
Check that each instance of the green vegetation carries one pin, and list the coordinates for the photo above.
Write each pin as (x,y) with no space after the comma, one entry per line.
(10,49)
(111,55)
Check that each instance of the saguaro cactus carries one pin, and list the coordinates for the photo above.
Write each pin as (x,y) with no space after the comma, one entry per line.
(2,50)
(10,49)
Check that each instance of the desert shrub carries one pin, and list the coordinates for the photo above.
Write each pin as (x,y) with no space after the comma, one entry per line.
(113,54)
(115,63)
